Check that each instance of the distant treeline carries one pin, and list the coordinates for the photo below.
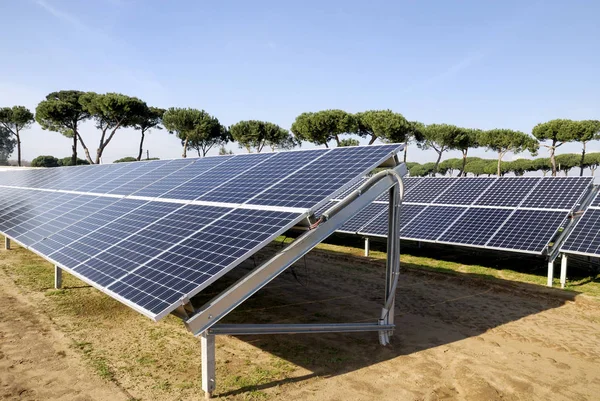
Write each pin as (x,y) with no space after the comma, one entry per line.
(477,166)
(65,111)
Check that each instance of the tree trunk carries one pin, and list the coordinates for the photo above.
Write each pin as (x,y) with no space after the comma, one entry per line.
(405,149)
(499,162)
(552,159)
(464,164)
(85,149)
(373,139)
(582,161)
(98,155)
(337,140)
(184,155)
(593,170)
(18,148)
(74,156)
(435,168)
(141,147)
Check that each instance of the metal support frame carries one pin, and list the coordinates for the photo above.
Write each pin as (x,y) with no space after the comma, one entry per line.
(367,246)
(57,277)
(203,322)
(6,243)
(563,270)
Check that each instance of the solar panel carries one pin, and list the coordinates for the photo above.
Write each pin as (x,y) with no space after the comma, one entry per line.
(334,169)
(465,191)
(476,226)
(428,189)
(431,223)
(585,237)
(379,225)
(183,227)
(528,230)
(363,217)
(558,192)
(596,201)
(508,191)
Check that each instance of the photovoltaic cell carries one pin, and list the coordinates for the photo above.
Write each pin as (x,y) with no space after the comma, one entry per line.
(431,222)
(508,191)
(596,201)
(429,189)
(476,226)
(379,225)
(465,191)
(363,217)
(528,230)
(558,192)
(585,237)
(250,183)
(324,178)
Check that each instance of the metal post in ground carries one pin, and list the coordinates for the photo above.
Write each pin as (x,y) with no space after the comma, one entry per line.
(367,246)
(6,243)
(550,273)
(57,277)
(563,271)
(207,342)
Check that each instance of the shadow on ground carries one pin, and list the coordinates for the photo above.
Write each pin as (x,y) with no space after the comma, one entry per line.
(432,310)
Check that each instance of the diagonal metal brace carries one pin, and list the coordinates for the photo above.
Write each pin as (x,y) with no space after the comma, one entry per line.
(217,308)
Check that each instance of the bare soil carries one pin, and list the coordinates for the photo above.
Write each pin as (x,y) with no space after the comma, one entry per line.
(457,338)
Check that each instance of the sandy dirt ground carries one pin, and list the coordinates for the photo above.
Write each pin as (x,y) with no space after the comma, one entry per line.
(36,360)
(456,339)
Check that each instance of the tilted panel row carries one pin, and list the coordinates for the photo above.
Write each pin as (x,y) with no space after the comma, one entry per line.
(152,234)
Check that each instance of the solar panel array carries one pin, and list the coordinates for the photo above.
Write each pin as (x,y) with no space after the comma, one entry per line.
(585,237)
(520,214)
(152,234)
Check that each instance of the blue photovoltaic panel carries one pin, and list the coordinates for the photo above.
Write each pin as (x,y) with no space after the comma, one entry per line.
(153,176)
(476,226)
(363,217)
(79,219)
(558,192)
(182,176)
(585,237)
(254,181)
(138,170)
(428,189)
(596,201)
(409,184)
(144,244)
(508,191)
(201,184)
(323,179)
(137,216)
(528,230)
(351,188)
(465,191)
(379,225)
(193,264)
(98,176)
(431,222)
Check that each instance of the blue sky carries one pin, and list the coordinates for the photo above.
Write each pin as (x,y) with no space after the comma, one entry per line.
(482,64)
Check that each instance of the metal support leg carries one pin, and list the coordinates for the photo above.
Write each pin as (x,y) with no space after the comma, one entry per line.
(367,246)
(57,277)
(550,273)
(563,271)
(393,263)
(208,364)
(6,243)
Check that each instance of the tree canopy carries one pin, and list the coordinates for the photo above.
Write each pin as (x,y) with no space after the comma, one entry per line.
(324,126)
(62,112)
(349,142)
(110,111)
(439,137)
(15,119)
(465,139)
(148,119)
(583,132)
(557,132)
(196,129)
(255,135)
(382,124)
(503,141)
(45,161)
